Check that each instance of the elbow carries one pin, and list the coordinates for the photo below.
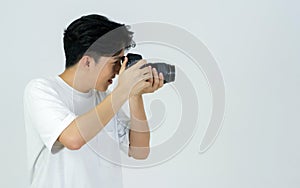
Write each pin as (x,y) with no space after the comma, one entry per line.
(71,138)
(72,143)
(73,146)
(139,153)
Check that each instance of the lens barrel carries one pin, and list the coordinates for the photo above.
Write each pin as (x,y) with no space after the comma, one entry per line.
(167,70)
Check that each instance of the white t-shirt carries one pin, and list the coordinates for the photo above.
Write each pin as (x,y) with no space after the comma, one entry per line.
(50,105)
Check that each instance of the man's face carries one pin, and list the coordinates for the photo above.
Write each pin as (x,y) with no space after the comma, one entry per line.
(106,69)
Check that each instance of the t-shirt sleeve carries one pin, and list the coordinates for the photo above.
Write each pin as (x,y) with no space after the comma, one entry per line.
(47,112)
(123,127)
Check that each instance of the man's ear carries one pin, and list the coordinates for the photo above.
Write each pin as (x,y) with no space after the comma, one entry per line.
(85,62)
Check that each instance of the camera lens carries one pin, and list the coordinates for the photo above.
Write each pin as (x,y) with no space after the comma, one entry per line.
(166,69)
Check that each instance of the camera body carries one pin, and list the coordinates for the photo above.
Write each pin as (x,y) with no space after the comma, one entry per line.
(166,69)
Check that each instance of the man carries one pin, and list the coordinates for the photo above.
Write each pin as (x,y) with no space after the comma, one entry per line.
(73,125)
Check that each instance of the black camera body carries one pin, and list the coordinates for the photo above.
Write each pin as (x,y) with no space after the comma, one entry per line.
(166,69)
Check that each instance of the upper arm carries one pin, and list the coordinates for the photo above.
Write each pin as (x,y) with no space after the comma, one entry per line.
(47,113)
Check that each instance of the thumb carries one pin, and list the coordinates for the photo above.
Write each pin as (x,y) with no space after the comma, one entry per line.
(123,67)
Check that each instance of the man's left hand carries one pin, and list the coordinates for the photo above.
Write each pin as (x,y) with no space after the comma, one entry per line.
(156,82)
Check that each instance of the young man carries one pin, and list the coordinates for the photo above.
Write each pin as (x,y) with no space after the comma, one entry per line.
(73,125)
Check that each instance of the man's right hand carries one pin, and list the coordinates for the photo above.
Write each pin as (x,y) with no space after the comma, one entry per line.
(133,80)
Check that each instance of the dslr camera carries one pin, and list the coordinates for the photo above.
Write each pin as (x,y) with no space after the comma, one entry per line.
(166,69)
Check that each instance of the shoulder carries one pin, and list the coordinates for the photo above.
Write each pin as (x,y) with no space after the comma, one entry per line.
(39,86)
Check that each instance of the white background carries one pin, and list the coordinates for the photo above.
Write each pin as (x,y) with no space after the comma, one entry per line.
(256,44)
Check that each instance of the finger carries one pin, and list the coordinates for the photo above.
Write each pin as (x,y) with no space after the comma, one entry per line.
(144,76)
(124,63)
(151,80)
(139,64)
(156,78)
(147,76)
(161,80)
(146,70)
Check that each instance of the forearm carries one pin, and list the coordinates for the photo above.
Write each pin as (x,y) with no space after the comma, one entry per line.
(88,125)
(139,129)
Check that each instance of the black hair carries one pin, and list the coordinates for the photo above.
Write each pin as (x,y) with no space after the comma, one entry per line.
(95,35)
